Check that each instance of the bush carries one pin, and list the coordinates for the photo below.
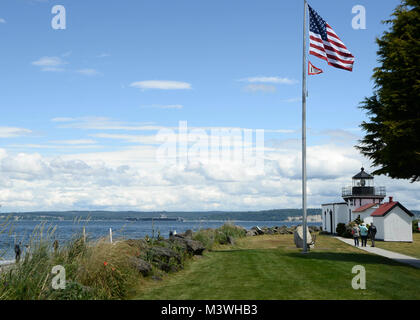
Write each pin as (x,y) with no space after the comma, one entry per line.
(341,229)
(416,226)
(211,237)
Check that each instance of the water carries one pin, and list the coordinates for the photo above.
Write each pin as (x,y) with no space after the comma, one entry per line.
(21,231)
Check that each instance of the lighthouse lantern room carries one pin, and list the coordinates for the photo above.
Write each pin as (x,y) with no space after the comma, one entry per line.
(363,191)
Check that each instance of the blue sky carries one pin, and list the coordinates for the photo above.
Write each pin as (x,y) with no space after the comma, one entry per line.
(82,96)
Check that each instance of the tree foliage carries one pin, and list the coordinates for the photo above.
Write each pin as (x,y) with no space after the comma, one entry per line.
(392,139)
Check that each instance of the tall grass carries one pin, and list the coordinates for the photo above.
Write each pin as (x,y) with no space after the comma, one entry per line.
(220,236)
(94,270)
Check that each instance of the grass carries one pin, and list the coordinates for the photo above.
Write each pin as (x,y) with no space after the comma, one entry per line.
(97,269)
(407,248)
(94,270)
(270,267)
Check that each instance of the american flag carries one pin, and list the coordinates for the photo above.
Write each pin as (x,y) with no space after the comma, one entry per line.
(325,44)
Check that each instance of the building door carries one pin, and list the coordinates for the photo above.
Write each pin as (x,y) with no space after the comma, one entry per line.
(331,222)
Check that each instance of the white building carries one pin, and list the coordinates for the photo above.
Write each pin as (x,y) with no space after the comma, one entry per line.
(392,220)
(333,214)
(361,194)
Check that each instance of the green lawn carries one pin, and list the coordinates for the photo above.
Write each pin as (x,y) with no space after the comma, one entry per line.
(408,248)
(270,267)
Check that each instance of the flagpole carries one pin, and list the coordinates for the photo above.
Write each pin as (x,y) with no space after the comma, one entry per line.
(304,94)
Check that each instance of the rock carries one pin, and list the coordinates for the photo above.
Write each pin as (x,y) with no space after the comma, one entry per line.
(269,231)
(251,233)
(298,237)
(192,246)
(141,266)
(186,235)
(168,267)
(230,240)
(156,278)
(258,230)
(163,254)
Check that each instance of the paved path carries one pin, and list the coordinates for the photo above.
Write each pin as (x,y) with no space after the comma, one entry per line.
(385,253)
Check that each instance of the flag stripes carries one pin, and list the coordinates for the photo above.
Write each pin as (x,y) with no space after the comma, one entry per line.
(325,44)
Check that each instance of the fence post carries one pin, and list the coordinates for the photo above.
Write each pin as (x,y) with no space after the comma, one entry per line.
(110,235)
(84,234)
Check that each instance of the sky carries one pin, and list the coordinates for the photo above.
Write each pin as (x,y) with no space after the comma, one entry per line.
(82,108)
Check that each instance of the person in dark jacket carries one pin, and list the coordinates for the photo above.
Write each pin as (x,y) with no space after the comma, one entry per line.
(18,252)
(372,233)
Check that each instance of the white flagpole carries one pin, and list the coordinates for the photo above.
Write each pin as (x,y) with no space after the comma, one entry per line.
(304,94)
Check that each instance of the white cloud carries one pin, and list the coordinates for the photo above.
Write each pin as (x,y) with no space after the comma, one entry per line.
(88,72)
(62,119)
(260,87)
(161,85)
(169,106)
(273,80)
(10,132)
(50,64)
(67,54)
(75,142)
(131,178)
(2,20)
(103,123)
(103,55)
(292,100)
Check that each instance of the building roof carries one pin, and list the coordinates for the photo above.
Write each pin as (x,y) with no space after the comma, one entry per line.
(365,207)
(363,175)
(334,203)
(387,207)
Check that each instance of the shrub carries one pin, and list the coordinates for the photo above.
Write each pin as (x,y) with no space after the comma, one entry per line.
(341,229)
(206,237)
(416,226)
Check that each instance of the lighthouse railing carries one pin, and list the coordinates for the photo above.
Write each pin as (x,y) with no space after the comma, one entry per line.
(363,191)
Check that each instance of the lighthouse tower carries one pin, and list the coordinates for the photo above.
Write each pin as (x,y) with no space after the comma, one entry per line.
(363,191)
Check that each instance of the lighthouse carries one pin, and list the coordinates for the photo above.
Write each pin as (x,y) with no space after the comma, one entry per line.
(363,191)
(363,200)
(359,199)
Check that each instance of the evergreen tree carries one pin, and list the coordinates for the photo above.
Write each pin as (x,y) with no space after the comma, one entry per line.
(392,139)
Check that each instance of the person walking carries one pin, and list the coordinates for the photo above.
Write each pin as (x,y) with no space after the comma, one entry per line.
(372,233)
(55,245)
(356,234)
(363,234)
(18,252)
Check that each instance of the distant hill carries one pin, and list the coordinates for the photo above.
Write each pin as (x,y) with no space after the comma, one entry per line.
(266,215)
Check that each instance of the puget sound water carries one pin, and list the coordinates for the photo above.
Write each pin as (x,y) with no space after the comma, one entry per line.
(21,231)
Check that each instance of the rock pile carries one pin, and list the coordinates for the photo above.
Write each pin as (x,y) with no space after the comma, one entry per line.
(255,231)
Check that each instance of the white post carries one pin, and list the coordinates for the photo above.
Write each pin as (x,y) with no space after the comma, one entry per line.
(304,94)
(110,235)
(84,234)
